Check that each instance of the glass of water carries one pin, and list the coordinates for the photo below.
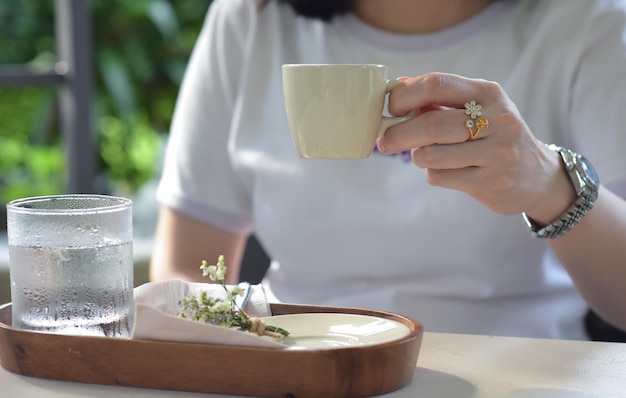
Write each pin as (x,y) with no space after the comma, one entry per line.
(71,264)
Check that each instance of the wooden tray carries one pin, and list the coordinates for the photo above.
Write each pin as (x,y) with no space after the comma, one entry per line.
(263,372)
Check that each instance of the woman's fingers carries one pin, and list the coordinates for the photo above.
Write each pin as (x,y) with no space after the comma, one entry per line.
(452,109)
(442,89)
(451,156)
(469,136)
(439,126)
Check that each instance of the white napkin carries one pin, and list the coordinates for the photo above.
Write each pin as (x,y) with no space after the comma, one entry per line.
(156,309)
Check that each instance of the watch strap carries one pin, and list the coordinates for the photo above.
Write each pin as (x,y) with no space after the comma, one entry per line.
(587,195)
(571,217)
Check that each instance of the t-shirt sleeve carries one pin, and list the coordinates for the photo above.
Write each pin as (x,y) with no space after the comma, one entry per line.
(599,95)
(198,177)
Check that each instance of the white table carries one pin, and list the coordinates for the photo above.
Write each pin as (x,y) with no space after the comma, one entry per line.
(449,366)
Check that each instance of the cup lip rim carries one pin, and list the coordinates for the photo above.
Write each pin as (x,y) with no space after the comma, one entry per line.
(333,65)
(119,203)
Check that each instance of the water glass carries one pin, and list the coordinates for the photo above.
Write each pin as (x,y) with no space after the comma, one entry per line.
(71,264)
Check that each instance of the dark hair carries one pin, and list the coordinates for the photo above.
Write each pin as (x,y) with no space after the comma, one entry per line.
(320,9)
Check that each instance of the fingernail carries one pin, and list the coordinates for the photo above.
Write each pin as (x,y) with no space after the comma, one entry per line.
(381,146)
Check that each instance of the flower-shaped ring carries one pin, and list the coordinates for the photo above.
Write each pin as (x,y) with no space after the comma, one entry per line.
(472,109)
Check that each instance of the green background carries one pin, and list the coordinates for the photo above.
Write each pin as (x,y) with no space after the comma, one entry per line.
(140,50)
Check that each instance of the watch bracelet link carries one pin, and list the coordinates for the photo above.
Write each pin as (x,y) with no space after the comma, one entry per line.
(586,182)
(572,217)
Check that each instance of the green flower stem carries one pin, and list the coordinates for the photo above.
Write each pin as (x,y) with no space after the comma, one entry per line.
(224,312)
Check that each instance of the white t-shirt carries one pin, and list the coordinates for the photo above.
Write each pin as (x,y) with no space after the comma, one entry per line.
(373,233)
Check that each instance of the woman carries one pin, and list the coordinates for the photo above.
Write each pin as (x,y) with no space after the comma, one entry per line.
(445,245)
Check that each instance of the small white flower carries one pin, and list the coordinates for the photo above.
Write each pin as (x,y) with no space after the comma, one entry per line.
(473,109)
(205,268)
(237,291)
(221,306)
(215,272)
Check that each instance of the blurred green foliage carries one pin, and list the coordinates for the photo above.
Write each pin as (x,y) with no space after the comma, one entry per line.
(140,50)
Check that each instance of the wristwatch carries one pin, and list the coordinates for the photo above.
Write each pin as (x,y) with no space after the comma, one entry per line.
(586,182)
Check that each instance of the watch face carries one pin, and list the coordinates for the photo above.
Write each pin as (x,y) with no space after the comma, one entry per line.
(589,172)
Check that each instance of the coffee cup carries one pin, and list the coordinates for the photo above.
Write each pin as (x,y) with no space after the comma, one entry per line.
(335,111)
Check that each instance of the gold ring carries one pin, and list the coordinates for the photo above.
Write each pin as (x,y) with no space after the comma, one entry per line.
(481,124)
(472,109)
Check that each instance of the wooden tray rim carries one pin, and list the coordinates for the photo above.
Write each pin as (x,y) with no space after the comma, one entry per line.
(14,342)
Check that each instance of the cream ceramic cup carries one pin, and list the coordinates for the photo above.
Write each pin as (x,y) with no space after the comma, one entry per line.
(335,111)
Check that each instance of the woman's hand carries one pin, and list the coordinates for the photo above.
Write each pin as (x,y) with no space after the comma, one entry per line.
(509,171)
(504,167)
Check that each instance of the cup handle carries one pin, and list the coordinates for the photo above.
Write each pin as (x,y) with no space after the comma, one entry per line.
(388,121)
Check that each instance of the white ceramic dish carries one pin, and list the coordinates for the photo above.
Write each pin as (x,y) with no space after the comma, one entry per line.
(336,330)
